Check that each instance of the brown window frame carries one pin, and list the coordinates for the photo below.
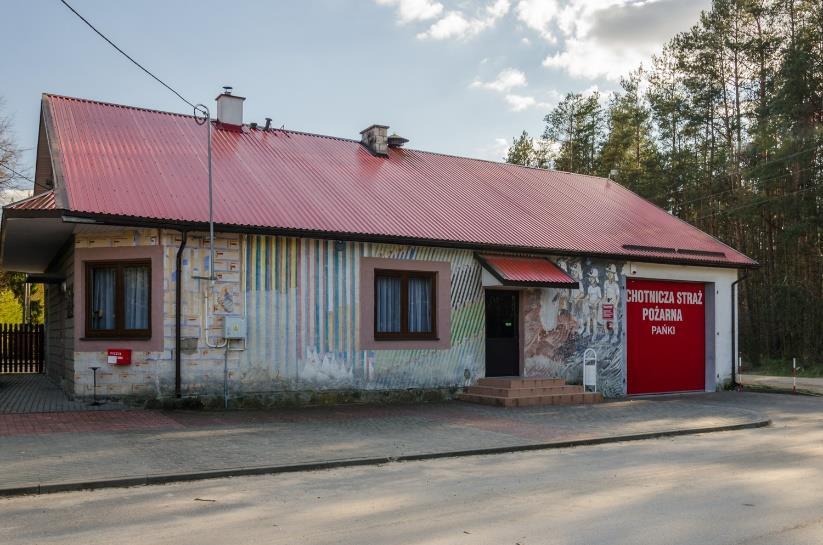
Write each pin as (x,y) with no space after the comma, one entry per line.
(119,331)
(404,334)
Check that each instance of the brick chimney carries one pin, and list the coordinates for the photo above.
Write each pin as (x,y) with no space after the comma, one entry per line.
(230,108)
(376,139)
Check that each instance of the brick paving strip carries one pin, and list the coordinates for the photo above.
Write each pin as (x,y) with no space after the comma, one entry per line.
(34,393)
(82,450)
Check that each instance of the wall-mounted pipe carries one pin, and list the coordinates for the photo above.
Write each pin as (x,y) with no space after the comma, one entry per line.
(734,330)
(178,312)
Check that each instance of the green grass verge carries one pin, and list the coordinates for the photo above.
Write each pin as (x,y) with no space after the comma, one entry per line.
(781,368)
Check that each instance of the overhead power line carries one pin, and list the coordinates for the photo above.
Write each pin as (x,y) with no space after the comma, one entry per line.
(18,175)
(755,167)
(194,107)
(758,180)
(759,202)
(198,109)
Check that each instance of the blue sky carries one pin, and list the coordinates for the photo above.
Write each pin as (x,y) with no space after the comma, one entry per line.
(454,76)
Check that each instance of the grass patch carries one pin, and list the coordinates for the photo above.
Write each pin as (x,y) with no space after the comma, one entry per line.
(783,368)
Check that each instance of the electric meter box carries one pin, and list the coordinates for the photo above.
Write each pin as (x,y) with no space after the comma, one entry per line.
(235,328)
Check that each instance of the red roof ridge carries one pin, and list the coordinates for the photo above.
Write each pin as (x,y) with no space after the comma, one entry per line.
(115,105)
(329,136)
(313,134)
(441,154)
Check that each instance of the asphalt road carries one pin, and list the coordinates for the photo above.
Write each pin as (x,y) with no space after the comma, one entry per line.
(753,487)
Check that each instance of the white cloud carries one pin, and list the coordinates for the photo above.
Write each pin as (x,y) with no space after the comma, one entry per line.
(537,15)
(414,10)
(606,38)
(506,80)
(13,195)
(495,151)
(456,25)
(512,78)
(590,59)
(498,9)
(453,25)
(518,103)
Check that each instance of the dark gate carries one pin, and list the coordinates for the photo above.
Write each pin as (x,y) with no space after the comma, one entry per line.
(21,348)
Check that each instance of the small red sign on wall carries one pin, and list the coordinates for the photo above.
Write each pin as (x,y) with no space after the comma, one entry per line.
(119,356)
(608,311)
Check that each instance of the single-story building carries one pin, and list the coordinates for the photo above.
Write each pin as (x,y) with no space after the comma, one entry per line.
(352,267)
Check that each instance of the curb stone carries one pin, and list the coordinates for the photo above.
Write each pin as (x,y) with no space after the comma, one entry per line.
(144,480)
(765,389)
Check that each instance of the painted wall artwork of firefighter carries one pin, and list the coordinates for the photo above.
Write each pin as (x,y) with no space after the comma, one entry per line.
(560,324)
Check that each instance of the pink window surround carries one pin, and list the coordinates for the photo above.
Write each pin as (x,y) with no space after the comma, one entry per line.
(84,255)
(443,271)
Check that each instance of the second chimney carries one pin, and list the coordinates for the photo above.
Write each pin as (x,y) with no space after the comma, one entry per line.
(229,108)
(376,139)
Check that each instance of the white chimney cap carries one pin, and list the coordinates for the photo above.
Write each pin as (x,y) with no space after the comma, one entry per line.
(230,108)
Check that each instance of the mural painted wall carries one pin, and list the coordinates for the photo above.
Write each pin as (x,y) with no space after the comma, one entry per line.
(560,324)
(302,299)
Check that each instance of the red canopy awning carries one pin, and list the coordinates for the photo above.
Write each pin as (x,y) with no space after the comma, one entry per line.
(526,271)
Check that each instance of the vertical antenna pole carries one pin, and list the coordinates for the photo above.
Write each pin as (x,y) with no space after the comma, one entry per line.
(211,212)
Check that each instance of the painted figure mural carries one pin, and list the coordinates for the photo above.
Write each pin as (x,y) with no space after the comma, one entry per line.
(611,294)
(560,324)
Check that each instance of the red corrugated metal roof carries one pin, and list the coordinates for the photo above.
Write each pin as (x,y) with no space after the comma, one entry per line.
(128,161)
(41,201)
(534,271)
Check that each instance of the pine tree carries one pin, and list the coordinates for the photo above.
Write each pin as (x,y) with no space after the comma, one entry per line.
(575,128)
(629,149)
(725,129)
(524,151)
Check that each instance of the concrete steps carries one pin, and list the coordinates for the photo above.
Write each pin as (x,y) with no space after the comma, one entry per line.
(527,392)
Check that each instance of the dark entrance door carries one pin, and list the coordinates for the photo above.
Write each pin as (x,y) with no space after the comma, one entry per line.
(502,339)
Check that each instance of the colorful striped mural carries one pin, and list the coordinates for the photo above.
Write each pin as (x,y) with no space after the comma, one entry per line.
(302,301)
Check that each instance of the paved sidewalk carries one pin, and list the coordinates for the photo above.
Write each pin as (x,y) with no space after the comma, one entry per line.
(35,393)
(784,384)
(47,452)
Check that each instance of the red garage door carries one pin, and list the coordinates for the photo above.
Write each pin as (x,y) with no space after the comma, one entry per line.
(666,336)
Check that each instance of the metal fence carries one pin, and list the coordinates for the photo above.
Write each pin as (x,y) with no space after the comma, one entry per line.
(21,348)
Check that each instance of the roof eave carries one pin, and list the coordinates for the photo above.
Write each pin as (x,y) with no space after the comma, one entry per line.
(182,225)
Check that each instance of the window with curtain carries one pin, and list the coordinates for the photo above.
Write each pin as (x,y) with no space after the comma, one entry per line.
(404,304)
(118,299)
